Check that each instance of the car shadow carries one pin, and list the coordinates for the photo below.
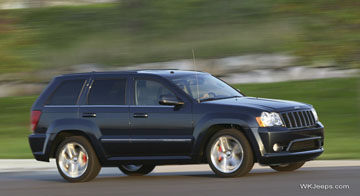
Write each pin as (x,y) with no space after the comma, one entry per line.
(186,175)
(118,176)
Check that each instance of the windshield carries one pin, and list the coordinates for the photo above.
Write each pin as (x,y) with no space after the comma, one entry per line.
(204,87)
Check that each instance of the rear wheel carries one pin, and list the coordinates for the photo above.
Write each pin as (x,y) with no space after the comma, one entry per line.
(287,167)
(76,160)
(136,170)
(229,153)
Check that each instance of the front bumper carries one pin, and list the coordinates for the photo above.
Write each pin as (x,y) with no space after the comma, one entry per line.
(267,137)
(288,157)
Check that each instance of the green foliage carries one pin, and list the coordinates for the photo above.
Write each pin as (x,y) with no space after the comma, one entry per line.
(140,31)
(337,102)
(15,126)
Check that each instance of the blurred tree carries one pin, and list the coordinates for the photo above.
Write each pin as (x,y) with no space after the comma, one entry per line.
(321,32)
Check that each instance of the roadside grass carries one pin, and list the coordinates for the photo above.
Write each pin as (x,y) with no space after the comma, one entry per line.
(15,126)
(337,102)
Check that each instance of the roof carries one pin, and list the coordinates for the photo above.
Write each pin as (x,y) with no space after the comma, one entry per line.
(160,72)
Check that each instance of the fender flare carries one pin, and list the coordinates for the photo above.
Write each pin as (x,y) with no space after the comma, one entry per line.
(202,134)
(86,127)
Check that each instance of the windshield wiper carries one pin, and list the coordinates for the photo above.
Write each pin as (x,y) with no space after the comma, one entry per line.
(217,98)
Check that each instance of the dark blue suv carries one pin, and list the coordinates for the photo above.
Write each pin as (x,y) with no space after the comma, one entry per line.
(136,120)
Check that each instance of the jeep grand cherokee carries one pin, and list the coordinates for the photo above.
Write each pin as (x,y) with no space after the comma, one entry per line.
(135,120)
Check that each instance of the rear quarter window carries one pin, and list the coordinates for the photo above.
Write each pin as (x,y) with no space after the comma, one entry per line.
(66,93)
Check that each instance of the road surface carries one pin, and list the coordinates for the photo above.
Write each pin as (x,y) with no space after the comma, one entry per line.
(28,178)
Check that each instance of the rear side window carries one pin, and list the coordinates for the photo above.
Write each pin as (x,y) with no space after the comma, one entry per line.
(67,93)
(107,92)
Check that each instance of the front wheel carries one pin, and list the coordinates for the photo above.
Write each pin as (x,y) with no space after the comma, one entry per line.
(287,167)
(76,160)
(229,153)
(136,170)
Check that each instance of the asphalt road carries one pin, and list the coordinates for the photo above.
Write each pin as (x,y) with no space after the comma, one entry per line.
(185,182)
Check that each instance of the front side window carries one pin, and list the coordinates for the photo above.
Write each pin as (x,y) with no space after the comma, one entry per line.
(107,92)
(148,92)
(204,87)
(67,93)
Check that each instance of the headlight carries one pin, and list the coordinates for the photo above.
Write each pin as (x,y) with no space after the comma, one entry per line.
(269,119)
(315,114)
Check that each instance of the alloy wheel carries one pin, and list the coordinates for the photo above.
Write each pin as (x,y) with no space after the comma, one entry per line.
(73,160)
(227,154)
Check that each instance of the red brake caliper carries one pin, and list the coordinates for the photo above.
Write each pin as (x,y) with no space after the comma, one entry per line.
(220,157)
(84,158)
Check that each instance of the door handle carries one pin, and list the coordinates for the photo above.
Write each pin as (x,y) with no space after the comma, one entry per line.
(140,115)
(89,115)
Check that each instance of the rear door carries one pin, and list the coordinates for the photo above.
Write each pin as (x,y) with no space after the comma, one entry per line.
(106,105)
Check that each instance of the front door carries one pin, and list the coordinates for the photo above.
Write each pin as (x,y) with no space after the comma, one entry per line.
(158,130)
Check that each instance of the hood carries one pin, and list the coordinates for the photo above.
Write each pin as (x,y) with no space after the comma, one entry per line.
(261,103)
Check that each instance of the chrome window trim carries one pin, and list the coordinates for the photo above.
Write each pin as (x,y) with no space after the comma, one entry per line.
(169,106)
(162,106)
(60,106)
(105,106)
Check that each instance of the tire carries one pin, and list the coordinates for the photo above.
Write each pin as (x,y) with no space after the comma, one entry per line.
(288,167)
(240,158)
(136,170)
(76,152)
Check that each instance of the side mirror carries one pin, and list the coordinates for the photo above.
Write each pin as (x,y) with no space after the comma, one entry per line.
(170,100)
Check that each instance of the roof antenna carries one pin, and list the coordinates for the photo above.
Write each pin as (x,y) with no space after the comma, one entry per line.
(196,75)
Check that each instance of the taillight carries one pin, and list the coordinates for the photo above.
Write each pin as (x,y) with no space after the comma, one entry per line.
(35,117)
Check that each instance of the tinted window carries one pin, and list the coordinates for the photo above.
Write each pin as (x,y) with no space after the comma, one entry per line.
(149,92)
(107,92)
(205,86)
(67,93)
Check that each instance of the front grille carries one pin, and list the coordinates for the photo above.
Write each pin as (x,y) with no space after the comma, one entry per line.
(304,145)
(298,119)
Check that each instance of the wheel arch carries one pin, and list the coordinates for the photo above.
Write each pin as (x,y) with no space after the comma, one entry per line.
(63,128)
(213,129)
(62,135)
